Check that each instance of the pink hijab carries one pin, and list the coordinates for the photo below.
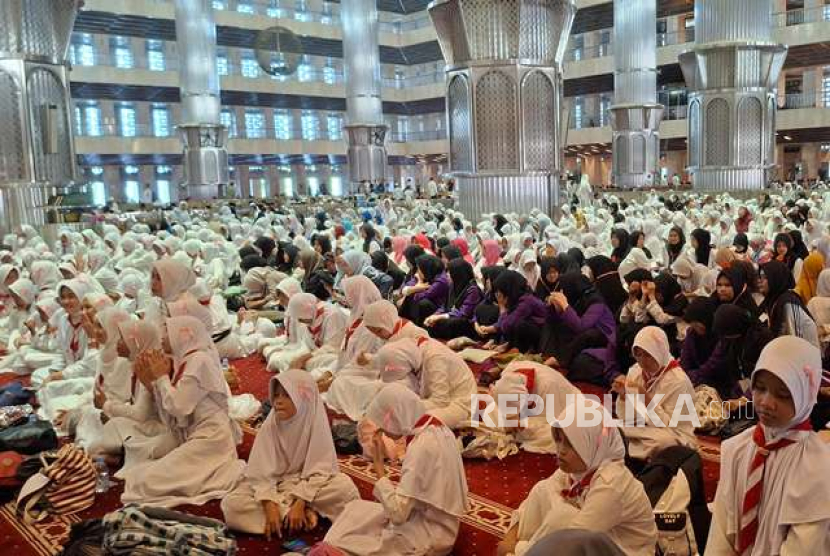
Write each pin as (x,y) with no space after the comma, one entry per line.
(492,252)
(399,245)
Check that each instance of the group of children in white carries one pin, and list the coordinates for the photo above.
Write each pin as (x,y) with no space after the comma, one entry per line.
(151,390)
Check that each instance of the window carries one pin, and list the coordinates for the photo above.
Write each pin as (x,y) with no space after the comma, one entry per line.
(578,113)
(250,67)
(305,71)
(309,125)
(336,185)
(99,193)
(161,120)
(288,187)
(578,46)
(400,77)
(78,114)
(122,53)
(228,119)
(604,108)
(245,8)
(825,89)
(329,72)
(125,113)
(163,191)
(254,124)
(155,55)
(92,119)
(222,63)
(326,18)
(83,51)
(273,9)
(313,185)
(301,13)
(220,5)
(334,123)
(282,125)
(131,187)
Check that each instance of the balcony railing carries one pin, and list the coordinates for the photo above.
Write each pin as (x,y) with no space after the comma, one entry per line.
(783,19)
(293,133)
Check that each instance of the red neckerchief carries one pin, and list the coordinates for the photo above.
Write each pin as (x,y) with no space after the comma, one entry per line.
(752,497)
(649,384)
(180,371)
(315,330)
(530,376)
(350,331)
(422,340)
(424,421)
(205,302)
(399,326)
(578,487)
(75,340)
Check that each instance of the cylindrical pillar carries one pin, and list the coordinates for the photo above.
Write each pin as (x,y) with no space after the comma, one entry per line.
(37,150)
(635,115)
(504,98)
(365,130)
(205,159)
(732,72)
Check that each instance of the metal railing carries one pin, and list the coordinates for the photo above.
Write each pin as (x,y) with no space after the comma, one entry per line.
(789,18)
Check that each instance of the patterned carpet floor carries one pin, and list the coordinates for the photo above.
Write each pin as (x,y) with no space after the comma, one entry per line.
(497,487)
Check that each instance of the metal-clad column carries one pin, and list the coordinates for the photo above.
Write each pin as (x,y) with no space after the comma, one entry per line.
(732,70)
(504,98)
(365,130)
(635,116)
(37,149)
(205,159)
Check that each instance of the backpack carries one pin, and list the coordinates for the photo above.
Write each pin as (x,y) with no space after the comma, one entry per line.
(65,485)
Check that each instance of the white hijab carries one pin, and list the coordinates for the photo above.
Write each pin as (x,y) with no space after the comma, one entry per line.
(381,314)
(176,278)
(596,444)
(301,445)
(432,453)
(794,492)
(192,347)
(532,276)
(360,292)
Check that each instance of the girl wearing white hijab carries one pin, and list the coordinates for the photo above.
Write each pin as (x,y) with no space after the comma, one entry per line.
(433,371)
(819,308)
(292,474)
(655,373)
(418,516)
(772,496)
(326,325)
(192,398)
(592,489)
(169,281)
(529,268)
(355,388)
(227,341)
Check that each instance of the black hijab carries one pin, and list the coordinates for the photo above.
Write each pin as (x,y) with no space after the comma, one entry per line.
(500,222)
(741,243)
(430,266)
(491,273)
(411,254)
(607,281)
(463,277)
(370,234)
(543,287)
(577,256)
(619,254)
(789,258)
(781,283)
(704,246)
(451,252)
(512,285)
(799,248)
(676,250)
(673,302)
(579,291)
(702,310)
(252,261)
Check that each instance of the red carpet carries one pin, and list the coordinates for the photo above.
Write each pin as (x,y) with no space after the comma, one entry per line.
(496,488)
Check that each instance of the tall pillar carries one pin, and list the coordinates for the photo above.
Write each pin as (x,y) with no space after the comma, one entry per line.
(365,130)
(37,149)
(635,115)
(732,72)
(504,97)
(205,159)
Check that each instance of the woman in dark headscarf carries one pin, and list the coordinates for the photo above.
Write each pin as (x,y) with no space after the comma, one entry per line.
(429,294)
(621,243)
(732,287)
(578,257)
(316,279)
(783,250)
(702,244)
(487,312)
(548,278)
(266,247)
(451,252)
(382,262)
(322,244)
(741,244)
(584,340)
(499,221)
(368,233)
(522,314)
(455,319)
(675,244)
(607,281)
(638,239)
(411,254)
(784,308)
(799,247)
(287,258)
(701,356)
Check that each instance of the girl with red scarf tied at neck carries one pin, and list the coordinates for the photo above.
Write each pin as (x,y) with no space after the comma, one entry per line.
(771,496)
(592,489)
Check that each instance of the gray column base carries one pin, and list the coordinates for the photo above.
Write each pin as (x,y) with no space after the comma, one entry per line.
(729,179)
(478,195)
